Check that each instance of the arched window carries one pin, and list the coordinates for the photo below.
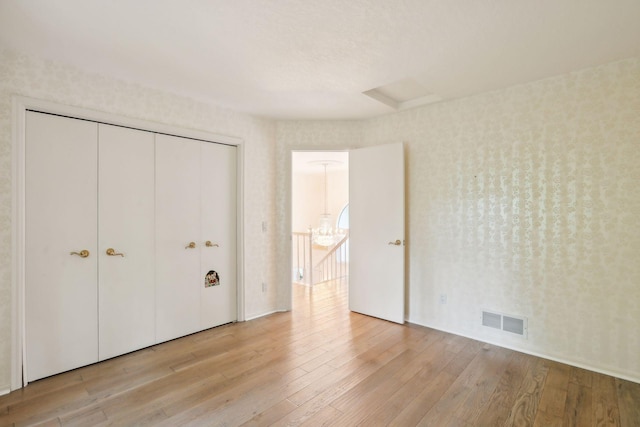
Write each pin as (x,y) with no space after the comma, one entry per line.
(343,223)
(343,218)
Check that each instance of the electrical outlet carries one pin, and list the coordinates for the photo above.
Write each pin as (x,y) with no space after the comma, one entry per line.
(264,287)
(443,298)
(264,226)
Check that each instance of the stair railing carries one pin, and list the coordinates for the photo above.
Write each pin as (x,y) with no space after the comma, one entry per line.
(334,265)
(302,251)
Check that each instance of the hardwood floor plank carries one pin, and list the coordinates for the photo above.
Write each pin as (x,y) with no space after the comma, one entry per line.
(273,414)
(578,410)
(323,365)
(525,405)
(260,398)
(605,401)
(40,388)
(327,416)
(157,394)
(551,407)
(461,357)
(544,419)
(205,404)
(50,423)
(347,378)
(376,395)
(417,408)
(414,380)
(47,407)
(369,384)
(493,361)
(92,417)
(353,372)
(581,376)
(628,402)
(473,386)
(499,405)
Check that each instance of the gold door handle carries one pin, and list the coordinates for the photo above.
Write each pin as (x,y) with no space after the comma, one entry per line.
(83,253)
(112,252)
(210,245)
(191,245)
(396,243)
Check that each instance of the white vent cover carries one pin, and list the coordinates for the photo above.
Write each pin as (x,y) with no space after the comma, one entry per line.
(491,320)
(514,324)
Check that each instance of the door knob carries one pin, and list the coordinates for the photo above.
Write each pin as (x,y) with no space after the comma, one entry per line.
(191,245)
(83,253)
(396,243)
(112,252)
(210,245)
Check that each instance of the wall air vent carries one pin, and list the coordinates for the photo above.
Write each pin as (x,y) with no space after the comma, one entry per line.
(515,325)
(491,320)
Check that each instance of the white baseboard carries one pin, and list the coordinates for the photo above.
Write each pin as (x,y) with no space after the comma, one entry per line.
(578,364)
(5,391)
(257,316)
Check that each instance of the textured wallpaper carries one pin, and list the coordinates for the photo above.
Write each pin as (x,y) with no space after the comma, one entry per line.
(524,201)
(20,75)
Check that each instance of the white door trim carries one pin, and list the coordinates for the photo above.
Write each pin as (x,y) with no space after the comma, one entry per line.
(20,106)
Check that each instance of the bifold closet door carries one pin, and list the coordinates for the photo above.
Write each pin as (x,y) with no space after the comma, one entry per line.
(195,235)
(126,207)
(61,259)
(177,237)
(218,219)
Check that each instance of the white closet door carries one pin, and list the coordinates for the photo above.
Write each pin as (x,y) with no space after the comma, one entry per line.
(218,219)
(177,225)
(61,318)
(126,224)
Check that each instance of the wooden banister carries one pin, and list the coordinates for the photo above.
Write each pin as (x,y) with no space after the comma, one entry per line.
(330,267)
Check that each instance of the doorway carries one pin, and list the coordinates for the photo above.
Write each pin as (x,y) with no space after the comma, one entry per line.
(376,236)
(319,218)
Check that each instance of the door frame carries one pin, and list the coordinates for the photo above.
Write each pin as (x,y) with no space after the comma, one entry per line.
(288,294)
(20,105)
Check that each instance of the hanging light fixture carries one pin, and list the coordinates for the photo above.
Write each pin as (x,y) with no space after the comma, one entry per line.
(326,234)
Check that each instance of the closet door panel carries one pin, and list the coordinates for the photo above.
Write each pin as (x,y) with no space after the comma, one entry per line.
(218,219)
(177,224)
(61,319)
(126,207)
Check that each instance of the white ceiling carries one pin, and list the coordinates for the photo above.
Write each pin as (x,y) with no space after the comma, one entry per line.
(312,59)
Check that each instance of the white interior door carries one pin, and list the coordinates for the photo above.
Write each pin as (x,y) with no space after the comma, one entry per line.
(61,319)
(178,210)
(126,208)
(218,219)
(376,233)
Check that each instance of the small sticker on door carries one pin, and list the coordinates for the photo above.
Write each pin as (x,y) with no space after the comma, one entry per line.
(211,279)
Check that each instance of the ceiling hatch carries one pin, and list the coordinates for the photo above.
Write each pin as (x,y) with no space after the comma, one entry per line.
(403,94)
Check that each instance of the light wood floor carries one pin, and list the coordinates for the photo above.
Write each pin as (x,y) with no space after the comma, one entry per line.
(322,365)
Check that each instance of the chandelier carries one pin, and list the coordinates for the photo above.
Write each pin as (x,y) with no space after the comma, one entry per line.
(325,234)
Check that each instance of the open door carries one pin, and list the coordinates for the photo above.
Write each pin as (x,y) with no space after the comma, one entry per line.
(376,203)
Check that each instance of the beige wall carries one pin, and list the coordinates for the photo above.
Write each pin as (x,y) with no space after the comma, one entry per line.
(20,75)
(524,201)
(307,191)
